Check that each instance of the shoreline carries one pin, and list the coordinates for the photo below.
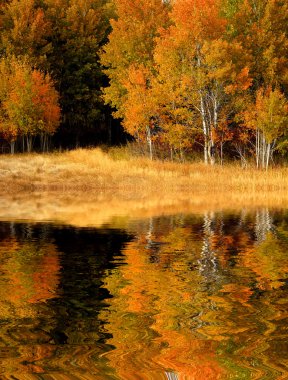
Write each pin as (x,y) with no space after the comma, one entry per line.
(117,209)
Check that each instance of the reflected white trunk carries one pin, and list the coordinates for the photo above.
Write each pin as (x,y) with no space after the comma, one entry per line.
(263,225)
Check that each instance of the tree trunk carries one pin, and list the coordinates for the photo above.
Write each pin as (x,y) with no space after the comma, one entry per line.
(206,149)
(263,151)
(171,153)
(215,124)
(256,149)
(29,143)
(211,151)
(12,147)
(44,140)
(181,153)
(149,141)
(268,152)
(205,129)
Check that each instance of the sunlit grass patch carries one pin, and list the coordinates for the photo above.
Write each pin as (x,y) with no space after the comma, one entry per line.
(95,169)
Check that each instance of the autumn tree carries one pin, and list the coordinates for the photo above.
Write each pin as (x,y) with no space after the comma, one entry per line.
(268,118)
(62,38)
(8,129)
(175,113)
(193,73)
(261,29)
(29,103)
(196,60)
(185,74)
(128,58)
(25,31)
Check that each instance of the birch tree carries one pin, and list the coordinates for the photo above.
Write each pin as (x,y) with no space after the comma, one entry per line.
(194,58)
(268,117)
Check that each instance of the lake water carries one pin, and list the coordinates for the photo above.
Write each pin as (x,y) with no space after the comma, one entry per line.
(174,297)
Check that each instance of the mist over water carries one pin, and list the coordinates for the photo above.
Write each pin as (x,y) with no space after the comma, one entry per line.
(170,297)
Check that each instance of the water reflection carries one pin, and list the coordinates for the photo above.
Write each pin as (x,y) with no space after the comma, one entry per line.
(50,297)
(178,297)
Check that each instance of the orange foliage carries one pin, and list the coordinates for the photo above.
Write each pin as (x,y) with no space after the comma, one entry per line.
(129,60)
(30,103)
(44,97)
(242,82)
(198,18)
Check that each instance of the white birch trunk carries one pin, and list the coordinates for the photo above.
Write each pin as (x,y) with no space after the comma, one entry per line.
(257,146)
(268,152)
(205,128)
(263,151)
(149,141)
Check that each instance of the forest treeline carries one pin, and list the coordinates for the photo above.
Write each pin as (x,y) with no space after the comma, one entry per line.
(185,77)
(51,77)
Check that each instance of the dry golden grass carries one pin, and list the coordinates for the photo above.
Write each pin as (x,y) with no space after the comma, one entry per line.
(93,169)
(88,187)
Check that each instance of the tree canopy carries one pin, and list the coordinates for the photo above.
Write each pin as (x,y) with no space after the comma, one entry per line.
(206,66)
(190,77)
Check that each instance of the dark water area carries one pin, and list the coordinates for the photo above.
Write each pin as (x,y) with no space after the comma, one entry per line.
(172,297)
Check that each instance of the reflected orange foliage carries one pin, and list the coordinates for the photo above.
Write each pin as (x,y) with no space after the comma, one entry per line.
(148,294)
(167,317)
(22,289)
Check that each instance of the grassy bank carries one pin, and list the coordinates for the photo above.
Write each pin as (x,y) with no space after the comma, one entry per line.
(95,170)
(90,187)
